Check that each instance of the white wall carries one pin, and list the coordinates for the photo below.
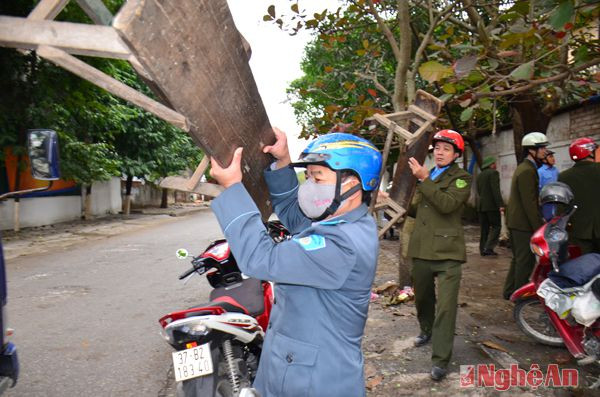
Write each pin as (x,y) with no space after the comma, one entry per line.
(39,211)
(106,197)
(561,132)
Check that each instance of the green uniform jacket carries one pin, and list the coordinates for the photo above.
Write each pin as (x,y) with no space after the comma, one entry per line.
(584,180)
(438,232)
(523,211)
(488,189)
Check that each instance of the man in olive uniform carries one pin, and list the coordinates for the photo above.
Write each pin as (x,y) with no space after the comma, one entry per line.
(437,245)
(489,205)
(584,180)
(523,215)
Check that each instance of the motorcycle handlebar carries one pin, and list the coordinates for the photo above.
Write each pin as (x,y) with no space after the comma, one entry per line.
(187,273)
(197,266)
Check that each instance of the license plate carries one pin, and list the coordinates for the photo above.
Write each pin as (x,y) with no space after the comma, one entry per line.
(191,363)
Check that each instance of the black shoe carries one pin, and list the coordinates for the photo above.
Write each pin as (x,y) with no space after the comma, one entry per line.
(488,253)
(422,339)
(437,373)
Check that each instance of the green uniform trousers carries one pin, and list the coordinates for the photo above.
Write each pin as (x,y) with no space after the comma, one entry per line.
(522,263)
(440,321)
(490,224)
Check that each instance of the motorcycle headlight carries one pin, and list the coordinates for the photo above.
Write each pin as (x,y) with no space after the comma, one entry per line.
(536,249)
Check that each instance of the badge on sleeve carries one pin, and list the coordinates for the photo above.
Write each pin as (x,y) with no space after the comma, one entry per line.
(461,183)
(311,243)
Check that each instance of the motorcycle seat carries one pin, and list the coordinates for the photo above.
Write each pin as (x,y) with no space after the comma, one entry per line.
(245,297)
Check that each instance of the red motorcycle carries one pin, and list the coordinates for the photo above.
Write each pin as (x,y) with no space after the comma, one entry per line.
(533,316)
(219,343)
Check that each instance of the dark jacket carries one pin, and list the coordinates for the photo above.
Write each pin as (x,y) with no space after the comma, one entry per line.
(438,232)
(523,211)
(584,180)
(488,189)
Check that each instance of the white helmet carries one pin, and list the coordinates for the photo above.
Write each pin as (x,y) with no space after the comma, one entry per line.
(535,140)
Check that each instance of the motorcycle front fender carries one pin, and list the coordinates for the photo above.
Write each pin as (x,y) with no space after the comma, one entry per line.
(525,292)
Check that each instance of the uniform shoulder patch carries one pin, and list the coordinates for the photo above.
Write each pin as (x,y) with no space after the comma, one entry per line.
(461,183)
(311,243)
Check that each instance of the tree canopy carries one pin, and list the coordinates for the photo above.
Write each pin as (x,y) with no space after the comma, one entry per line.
(492,63)
(100,135)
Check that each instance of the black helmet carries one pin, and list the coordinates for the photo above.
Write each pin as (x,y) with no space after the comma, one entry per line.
(556,192)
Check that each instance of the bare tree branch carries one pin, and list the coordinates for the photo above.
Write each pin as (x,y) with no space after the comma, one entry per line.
(375,81)
(534,83)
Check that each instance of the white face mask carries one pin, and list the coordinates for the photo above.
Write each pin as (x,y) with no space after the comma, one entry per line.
(314,198)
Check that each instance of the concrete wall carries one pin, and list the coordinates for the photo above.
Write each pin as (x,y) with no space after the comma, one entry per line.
(39,211)
(563,128)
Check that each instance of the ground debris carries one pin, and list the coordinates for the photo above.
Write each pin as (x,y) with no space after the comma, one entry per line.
(494,345)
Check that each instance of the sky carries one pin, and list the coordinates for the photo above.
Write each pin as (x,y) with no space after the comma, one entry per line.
(276,57)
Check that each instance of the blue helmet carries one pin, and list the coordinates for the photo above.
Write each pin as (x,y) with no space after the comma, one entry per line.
(340,151)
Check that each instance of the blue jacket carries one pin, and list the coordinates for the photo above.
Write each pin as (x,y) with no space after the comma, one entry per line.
(547,174)
(323,279)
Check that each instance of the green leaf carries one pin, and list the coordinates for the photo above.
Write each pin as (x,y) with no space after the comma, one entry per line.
(485,104)
(271,10)
(561,15)
(445,97)
(433,71)
(449,88)
(523,72)
(267,18)
(466,114)
(582,54)
(522,7)
(295,8)
(464,65)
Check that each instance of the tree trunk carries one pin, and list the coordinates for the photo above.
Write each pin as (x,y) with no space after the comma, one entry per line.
(527,116)
(404,183)
(127,204)
(17,202)
(87,205)
(164,203)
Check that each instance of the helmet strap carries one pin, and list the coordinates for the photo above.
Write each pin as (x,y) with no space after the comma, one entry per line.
(338,198)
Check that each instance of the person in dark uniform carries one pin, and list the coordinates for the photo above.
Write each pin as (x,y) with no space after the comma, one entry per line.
(489,206)
(323,274)
(584,180)
(437,245)
(523,215)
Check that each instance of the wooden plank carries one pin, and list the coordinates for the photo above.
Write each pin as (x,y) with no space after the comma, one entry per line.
(195,54)
(419,132)
(74,38)
(422,113)
(110,84)
(96,10)
(388,123)
(181,183)
(47,9)
(200,170)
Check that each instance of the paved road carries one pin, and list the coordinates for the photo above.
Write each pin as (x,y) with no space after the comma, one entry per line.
(85,318)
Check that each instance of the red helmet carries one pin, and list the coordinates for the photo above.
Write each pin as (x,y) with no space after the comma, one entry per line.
(581,148)
(451,137)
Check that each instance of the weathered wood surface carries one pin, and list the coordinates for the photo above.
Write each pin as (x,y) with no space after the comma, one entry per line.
(74,38)
(192,50)
(404,183)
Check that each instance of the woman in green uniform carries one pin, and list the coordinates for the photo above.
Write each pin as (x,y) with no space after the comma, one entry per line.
(437,245)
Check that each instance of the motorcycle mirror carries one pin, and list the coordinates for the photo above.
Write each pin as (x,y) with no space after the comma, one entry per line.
(182,253)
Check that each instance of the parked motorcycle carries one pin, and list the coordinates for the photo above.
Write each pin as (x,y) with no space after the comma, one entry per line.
(558,261)
(219,343)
